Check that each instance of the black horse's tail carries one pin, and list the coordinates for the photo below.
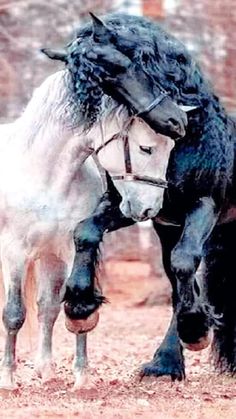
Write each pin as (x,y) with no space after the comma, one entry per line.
(220,277)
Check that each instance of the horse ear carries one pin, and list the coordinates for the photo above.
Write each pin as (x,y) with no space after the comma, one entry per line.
(60,55)
(187,108)
(100,31)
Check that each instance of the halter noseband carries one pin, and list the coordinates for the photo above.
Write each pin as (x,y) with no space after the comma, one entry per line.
(128,175)
(154,103)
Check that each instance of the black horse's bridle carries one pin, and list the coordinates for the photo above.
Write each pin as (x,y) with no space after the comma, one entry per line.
(163,94)
(124,135)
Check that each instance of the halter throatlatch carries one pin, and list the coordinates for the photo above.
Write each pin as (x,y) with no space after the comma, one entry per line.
(124,135)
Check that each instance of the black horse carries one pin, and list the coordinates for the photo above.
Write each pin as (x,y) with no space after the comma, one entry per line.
(200,197)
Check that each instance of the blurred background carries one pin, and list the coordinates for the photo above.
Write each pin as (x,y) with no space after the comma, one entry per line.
(207,28)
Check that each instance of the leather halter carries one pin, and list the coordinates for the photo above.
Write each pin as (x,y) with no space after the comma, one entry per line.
(154,103)
(123,134)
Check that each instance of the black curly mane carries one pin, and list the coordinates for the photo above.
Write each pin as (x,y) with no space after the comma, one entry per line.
(160,54)
(201,165)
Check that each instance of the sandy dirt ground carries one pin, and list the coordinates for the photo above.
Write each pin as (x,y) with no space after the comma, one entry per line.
(127,335)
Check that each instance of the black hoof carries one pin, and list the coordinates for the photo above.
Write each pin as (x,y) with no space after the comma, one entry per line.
(79,307)
(193,326)
(165,364)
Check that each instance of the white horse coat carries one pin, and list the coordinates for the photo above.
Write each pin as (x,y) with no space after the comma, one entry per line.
(48,183)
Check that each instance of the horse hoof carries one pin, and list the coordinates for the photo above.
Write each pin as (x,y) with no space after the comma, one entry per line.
(152,369)
(8,388)
(193,329)
(7,384)
(202,343)
(84,381)
(82,325)
(46,372)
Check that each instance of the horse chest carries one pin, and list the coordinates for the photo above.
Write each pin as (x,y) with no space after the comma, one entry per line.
(37,216)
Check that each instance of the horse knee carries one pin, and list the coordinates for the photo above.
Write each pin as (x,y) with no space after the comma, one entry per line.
(13,316)
(48,315)
(86,235)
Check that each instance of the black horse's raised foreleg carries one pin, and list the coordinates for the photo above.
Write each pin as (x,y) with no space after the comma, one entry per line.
(194,315)
(82,297)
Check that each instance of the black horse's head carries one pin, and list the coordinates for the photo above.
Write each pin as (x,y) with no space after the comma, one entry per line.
(115,58)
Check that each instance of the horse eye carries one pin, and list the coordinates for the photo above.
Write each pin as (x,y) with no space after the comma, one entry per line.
(146,149)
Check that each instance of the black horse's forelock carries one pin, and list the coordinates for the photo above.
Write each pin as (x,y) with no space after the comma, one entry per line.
(85,87)
(159,54)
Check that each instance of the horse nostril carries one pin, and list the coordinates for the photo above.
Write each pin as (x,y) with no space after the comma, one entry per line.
(147,212)
(173,122)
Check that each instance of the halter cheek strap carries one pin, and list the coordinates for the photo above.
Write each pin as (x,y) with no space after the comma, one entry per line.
(128,175)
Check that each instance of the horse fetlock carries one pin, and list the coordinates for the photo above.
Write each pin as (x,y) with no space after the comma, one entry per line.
(80,365)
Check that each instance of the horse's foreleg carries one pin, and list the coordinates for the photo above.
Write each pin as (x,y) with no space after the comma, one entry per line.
(50,272)
(13,314)
(82,297)
(80,363)
(168,358)
(194,315)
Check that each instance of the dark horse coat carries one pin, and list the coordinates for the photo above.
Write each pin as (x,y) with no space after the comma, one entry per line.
(200,197)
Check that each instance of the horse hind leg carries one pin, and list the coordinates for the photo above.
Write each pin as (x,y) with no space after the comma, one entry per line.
(50,273)
(219,275)
(14,313)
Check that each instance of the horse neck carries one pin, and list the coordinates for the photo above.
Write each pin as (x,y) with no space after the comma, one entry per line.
(209,121)
(111,123)
(46,126)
